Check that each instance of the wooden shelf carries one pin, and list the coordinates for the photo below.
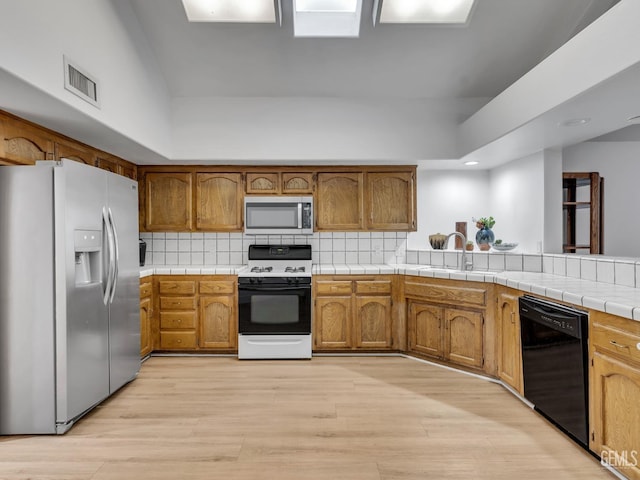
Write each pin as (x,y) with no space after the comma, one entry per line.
(571,181)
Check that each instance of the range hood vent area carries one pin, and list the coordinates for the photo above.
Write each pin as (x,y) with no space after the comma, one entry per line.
(80,83)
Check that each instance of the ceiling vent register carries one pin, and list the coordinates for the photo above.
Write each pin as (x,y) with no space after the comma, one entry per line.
(80,83)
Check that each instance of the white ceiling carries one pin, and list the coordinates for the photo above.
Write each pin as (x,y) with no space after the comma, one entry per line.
(503,40)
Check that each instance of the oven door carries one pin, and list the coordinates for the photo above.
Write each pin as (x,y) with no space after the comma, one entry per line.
(274,309)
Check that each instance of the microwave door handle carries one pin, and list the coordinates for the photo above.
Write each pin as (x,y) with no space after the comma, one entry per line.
(299,214)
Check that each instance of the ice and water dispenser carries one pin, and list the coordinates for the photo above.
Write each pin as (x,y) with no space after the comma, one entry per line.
(88,251)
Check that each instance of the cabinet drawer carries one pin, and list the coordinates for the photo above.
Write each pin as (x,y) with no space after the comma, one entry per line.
(178,287)
(219,287)
(445,294)
(177,303)
(169,320)
(373,286)
(145,289)
(616,341)
(333,287)
(177,340)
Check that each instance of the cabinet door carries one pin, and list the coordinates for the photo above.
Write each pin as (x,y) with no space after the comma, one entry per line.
(390,201)
(262,183)
(75,151)
(425,329)
(218,326)
(22,144)
(463,337)
(168,202)
(509,353)
(339,203)
(615,418)
(219,201)
(373,322)
(332,323)
(297,183)
(107,162)
(145,327)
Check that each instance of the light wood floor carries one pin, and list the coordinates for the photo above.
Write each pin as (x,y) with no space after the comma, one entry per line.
(351,418)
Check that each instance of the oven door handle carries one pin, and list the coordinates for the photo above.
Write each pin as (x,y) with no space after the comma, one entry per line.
(274,289)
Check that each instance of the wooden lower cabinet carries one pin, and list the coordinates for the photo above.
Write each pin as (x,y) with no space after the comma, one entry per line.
(425,329)
(146,315)
(373,322)
(218,328)
(353,314)
(198,313)
(615,392)
(446,333)
(509,350)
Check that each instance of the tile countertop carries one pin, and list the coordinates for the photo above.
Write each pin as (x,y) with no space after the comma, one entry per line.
(605,297)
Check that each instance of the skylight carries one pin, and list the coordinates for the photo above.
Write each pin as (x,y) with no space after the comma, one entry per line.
(238,11)
(326,18)
(425,11)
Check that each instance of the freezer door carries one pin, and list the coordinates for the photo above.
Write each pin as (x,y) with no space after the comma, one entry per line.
(27,376)
(82,327)
(124,315)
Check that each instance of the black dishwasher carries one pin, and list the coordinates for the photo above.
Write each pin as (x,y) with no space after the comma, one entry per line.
(554,364)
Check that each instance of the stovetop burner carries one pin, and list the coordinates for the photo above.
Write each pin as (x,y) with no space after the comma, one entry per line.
(261,269)
(294,269)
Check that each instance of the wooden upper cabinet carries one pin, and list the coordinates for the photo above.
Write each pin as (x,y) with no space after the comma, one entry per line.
(219,201)
(271,183)
(263,183)
(297,183)
(114,164)
(107,162)
(75,151)
(339,201)
(23,144)
(390,201)
(168,202)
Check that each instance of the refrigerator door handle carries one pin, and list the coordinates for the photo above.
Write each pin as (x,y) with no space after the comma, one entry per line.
(116,257)
(108,288)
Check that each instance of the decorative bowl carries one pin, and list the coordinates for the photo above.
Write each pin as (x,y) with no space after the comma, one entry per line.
(437,241)
(504,247)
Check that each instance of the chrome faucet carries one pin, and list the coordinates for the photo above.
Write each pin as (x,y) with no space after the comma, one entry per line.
(463,260)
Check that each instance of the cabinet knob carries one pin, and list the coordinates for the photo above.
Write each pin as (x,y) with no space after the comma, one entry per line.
(638,345)
(179,340)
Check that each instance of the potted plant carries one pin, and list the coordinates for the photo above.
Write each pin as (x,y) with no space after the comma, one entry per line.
(469,246)
(485,236)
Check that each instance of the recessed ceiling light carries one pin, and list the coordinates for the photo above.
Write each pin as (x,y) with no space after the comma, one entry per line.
(244,11)
(470,163)
(635,120)
(425,11)
(575,122)
(326,18)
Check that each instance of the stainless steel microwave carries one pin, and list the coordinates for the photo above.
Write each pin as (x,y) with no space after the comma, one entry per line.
(278,215)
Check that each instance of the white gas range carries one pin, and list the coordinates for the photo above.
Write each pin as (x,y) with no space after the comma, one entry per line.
(274,303)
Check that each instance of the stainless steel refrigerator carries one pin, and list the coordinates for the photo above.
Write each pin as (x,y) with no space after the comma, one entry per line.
(69,292)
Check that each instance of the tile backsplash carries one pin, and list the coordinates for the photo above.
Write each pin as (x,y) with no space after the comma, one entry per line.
(339,248)
(170,248)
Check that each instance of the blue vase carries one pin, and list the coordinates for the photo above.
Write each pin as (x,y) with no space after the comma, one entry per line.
(485,238)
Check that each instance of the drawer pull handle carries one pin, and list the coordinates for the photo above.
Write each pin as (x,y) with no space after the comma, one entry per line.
(617,345)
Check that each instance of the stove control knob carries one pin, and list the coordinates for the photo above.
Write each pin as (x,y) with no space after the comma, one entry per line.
(259,280)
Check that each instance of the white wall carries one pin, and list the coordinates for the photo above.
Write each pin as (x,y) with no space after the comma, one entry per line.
(447,197)
(101,37)
(317,129)
(524,196)
(517,202)
(618,163)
